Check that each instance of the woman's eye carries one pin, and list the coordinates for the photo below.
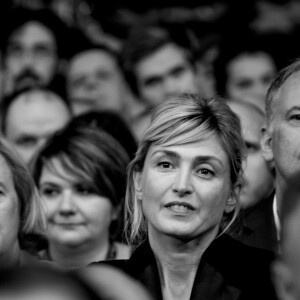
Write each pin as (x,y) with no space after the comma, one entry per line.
(164,165)
(205,173)
(85,190)
(49,192)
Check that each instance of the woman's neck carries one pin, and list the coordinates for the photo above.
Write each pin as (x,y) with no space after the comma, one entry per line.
(11,257)
(73,257)
(178,262)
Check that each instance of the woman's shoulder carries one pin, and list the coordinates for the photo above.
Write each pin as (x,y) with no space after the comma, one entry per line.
(239,255)
(246,267)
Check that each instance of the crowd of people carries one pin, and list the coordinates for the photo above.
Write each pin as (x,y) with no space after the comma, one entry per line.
(164,168)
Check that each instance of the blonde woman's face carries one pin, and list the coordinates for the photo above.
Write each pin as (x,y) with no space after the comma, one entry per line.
(185,189)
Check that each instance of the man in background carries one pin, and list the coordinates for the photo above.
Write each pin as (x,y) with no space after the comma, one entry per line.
(33,45)
(157,63)
(29,117)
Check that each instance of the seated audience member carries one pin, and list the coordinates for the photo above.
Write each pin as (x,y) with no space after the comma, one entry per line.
(157,63)
(95,81)
(81,177)
(22,222)
(245,71)
(30,116)
(182,194)
(280,140)
(257,195)
(113,124)
(286,268)
(110,122)
(34,44)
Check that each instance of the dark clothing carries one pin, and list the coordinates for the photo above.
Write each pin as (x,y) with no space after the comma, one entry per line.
(259,229)
(228,270)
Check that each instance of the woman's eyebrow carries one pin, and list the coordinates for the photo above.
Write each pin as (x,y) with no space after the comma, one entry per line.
(166,152)
(207,158)
(196,160)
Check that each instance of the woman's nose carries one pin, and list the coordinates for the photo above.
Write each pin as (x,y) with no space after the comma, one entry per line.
(182,184)
(67,204)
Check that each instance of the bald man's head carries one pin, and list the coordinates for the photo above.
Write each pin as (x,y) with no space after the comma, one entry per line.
(31,118)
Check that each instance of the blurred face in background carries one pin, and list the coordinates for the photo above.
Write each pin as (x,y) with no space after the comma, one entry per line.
(77,215)
(164,73)
(9,215)
(95,82)
(32,118)
(259,181)
(31,57)
(249,76)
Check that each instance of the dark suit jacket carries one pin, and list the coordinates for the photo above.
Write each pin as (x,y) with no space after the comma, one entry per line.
(259,229)
(228,270)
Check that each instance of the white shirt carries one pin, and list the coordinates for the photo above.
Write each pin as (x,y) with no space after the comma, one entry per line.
(276,218)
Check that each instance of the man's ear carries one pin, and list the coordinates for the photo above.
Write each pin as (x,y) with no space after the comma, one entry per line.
(283,281)
(137,177)
(266,144)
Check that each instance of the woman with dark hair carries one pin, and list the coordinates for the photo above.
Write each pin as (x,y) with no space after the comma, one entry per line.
(112,123)
(81,177)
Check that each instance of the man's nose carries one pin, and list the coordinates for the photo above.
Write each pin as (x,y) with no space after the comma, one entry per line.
(28,58)
(170,86)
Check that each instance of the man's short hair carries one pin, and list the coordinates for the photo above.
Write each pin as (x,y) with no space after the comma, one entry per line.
(231,47)
(272,94)
(144,40)
(19,16)
(81,43)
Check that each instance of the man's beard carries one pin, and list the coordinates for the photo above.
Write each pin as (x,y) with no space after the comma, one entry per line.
(26,78)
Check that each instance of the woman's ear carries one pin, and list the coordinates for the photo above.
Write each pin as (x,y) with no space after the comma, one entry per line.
(137,178)
(231,202)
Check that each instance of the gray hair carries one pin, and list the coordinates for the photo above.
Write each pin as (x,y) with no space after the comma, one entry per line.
(273,91)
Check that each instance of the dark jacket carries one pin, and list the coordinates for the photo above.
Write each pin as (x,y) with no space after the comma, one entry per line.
(228,270)
(259,229)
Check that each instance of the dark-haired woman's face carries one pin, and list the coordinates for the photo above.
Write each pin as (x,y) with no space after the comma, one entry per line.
(249,76)
(76,214)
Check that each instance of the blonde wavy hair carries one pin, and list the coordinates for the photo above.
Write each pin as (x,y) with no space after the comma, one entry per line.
(184,119)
